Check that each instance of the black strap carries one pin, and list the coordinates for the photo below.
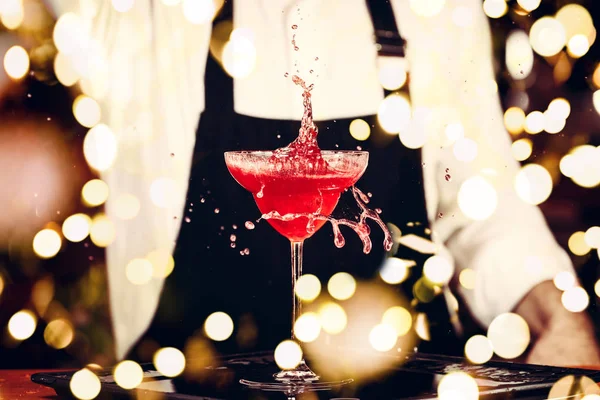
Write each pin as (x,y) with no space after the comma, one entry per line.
(387,37)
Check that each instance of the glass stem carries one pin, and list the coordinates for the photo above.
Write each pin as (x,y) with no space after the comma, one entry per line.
(297,248)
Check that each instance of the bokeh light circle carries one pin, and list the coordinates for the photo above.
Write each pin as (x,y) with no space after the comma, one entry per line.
(509,335)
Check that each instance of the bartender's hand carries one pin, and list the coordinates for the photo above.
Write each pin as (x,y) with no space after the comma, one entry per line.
(558,336)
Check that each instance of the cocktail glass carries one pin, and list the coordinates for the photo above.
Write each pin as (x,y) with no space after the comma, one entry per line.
(298,198)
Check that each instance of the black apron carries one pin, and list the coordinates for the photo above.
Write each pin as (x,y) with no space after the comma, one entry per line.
(255,289)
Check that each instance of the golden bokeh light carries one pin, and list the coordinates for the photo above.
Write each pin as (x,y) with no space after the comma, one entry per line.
(218,326)
(46,243)
(398,318)
(564,280)
(576,20)
(394,113)
(592,237)
(560,107)
(341,286)
(427,8)
(509,335)
(574,387)
(477,198)
(102,231)
(568,165)
(22,325)
(394,270)
(85,385)
(529,5)
(495,8)
(199,12)
(307,327)
(596,100)
(575,299)
(521,149)
(76,227)
(578,46)
(577,244)
(94,193)
(333,318)
(534,122)
(597,288)
(64,71)
(122,5)
(12,13)
(69,34)
(100,147)
(514,120)
(239,55)
(478,349)
(383,337)
(596,76)
(552,123)
(458,385)
(465,150)
(127,206)
(139,271)
(86,111)
(59,333)
(547,36)
(16,62)
(162,192)
(308,287)
(519,55)
(582,166)
(392,72)
(533,184)
(162,263)
(467,278)
(438,270)
(288,354)
(128,374)
(169,361)
(360,129)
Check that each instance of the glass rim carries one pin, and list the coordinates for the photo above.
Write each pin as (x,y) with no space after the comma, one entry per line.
(270,152)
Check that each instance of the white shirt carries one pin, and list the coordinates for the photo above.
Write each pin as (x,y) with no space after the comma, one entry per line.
(148,78)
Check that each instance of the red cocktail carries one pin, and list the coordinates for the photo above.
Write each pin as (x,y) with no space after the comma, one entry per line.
(296,202)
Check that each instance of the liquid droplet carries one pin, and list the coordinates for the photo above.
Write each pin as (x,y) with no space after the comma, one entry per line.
(217,210)
(232,245)
(311,71)
(233,238)
(286,74)
(249,225)
(448,177)
(358,148)
(294,26)
(246,251)
(260,192)
(316,58)
(172,154)
(234,227)
(202,200)
(447,170)
(278,136)
(187,219)
(440,215)
(370,194)
(378,210)
(222,228)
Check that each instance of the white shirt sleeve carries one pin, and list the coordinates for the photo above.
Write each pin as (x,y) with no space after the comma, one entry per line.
(452,77)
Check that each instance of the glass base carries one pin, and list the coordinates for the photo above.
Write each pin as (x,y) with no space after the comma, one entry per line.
(295,381)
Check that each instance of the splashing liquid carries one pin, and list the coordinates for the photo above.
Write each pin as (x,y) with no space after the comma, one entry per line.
(304,156)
